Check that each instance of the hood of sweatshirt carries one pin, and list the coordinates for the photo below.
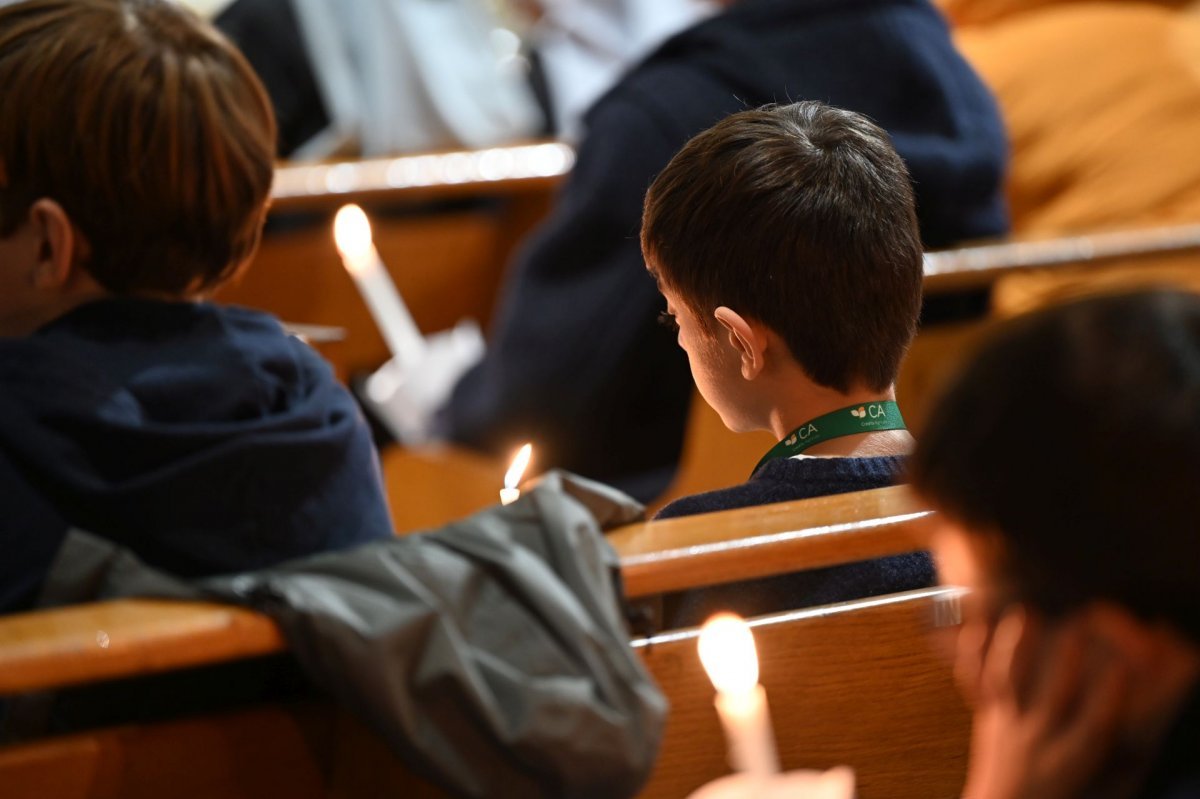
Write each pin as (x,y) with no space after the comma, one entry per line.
(203,437)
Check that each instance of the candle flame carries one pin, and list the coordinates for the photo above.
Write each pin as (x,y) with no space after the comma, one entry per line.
(352,234)
(520,462)
(728,654)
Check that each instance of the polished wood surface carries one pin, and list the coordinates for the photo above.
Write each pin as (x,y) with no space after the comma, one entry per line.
(448,266)
(305,751)
(673,554)
(979,265)
(445,224)
(247,755)
(107,640)
(429,486)
(91,643)
(423,177)
(852,684)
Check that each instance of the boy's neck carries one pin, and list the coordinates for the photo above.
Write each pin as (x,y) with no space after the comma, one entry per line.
(818,401)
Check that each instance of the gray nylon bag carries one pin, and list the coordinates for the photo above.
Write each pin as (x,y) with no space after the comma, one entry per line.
(491,653)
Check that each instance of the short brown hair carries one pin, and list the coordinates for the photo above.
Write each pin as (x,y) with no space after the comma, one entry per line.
(147,126)
(802,217)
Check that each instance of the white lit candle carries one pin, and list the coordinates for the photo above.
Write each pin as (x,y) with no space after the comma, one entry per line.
(512,478)
(728,654)
(352,234)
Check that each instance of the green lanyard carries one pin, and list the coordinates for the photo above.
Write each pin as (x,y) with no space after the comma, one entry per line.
(870,417)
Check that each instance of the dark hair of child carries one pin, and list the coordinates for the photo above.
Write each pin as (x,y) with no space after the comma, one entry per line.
(802,217)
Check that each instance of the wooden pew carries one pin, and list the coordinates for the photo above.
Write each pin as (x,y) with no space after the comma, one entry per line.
(742,544)
(849,684)
(979,265)
(446,225)
(431,485)
(302,751)
(424,177)
(240,752)
(133,637)
(1025,273)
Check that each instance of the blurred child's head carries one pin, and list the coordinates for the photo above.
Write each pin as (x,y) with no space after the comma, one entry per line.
(784,238)
(1065,461)
(135,143)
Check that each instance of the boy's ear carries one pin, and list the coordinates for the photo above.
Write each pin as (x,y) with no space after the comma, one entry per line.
(57,242)
(747,337)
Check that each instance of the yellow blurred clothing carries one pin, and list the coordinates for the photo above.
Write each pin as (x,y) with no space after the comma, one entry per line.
(978,12)
(1102,103)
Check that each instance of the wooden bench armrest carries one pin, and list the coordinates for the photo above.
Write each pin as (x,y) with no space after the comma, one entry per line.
(712,548)
(423,177)
(108,640)
(979,265)
(133,637)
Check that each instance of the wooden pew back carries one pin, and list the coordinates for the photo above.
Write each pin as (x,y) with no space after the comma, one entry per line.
(445,224)
(693,551)
(305,751)
(266,752)
(831,674)
(49,649)
(849,684)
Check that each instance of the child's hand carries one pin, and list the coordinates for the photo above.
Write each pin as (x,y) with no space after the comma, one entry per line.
(1047,709)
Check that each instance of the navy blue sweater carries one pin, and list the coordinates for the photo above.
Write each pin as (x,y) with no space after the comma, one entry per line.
(783,480)
(204,438)
(576,362)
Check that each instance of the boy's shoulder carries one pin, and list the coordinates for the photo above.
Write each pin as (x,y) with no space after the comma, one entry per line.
(125,321)
(150,353)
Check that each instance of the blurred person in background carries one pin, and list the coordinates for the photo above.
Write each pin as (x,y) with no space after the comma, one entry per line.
(376,77)
(585,46)
(1102,103)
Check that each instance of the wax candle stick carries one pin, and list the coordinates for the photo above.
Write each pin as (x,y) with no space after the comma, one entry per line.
(728,654)
(352,234)
(512,478)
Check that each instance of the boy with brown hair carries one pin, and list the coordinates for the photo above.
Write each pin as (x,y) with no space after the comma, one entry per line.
(785,242)
(136,159)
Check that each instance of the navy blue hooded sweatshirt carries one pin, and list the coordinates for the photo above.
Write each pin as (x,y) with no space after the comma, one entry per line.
(576,362)
(204,438)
